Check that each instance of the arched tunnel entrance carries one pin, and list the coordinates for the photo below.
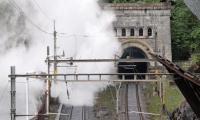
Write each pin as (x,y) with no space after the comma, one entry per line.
(131,67)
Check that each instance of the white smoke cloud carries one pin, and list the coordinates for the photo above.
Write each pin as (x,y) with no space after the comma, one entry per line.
(88,34)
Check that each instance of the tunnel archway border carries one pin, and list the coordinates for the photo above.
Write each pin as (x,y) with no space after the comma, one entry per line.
(139,44)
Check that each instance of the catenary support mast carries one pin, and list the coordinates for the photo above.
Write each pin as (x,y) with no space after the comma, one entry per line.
(13,94)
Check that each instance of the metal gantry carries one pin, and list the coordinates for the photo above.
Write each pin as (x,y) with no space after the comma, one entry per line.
(92,77)
(89,77)
(47,77)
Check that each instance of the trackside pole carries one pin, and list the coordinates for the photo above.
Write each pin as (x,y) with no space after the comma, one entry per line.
(13,93)
(27,98)
(48,84)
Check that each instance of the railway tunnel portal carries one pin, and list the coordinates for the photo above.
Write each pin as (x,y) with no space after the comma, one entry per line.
(142,28)
(131,67)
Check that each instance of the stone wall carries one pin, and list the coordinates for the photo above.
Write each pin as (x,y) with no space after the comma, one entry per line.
(144,16)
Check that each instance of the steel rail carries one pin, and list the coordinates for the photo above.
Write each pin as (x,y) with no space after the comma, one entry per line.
(138,102)
(126,102)
(71,112)
(59,111)
(83,113)
(66,112)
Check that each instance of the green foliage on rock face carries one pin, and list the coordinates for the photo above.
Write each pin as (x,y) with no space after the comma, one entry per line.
(196,59)
(185,31)
(153,101)
(131,1)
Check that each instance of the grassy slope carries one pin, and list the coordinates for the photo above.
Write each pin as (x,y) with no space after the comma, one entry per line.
(172,99)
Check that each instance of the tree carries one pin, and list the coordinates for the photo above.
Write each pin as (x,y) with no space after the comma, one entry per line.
(185,31)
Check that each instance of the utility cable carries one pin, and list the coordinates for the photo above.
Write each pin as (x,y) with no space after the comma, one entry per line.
(16,6)
(41,10)
(81,35)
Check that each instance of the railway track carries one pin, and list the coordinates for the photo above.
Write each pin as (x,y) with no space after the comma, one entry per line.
(76,113)
(131,103)
(138,102)
(126,103)
(83,113)
(68,110)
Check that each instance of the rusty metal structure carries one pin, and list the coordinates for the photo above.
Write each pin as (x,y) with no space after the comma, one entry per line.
(188,83)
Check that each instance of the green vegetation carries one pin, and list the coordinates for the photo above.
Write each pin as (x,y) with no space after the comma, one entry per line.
(153,101)
(131,1)
(196,59)
(185,32)
(106,98)
(172,93)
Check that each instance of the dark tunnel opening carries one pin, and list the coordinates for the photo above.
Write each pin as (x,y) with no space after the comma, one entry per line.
(131,67)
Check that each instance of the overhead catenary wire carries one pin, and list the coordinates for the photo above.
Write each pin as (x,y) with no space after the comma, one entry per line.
(82,35)
(41,10)
(59,34)
(16,6)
